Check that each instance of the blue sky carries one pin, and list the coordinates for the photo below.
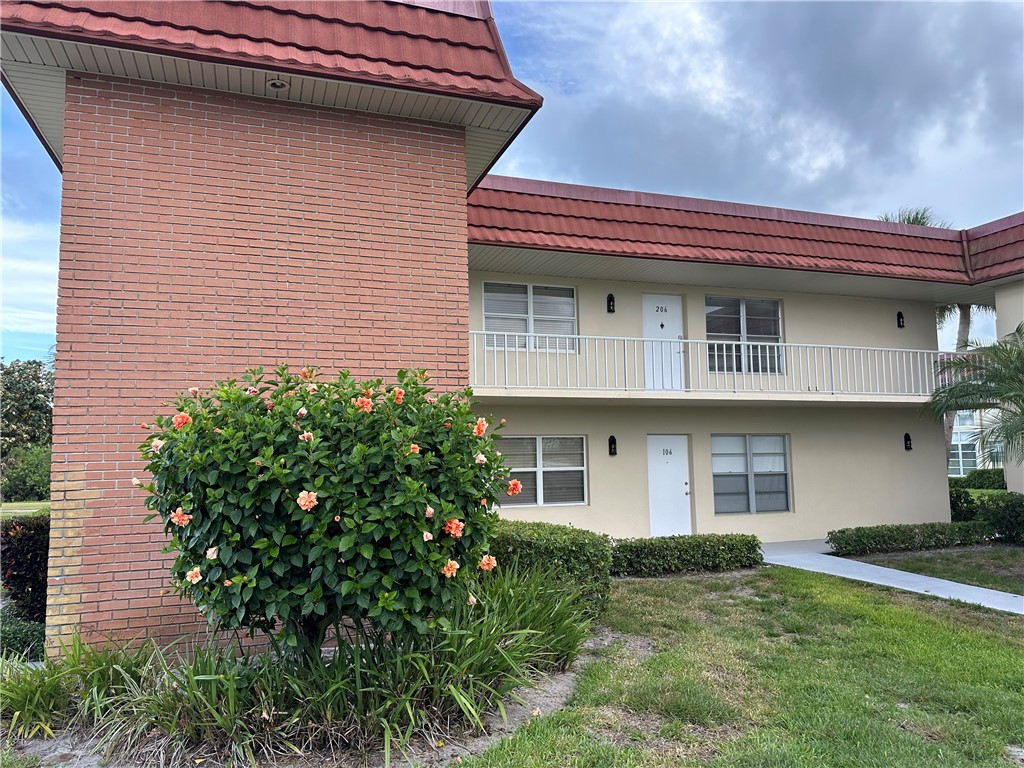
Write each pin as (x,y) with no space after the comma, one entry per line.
(847,108)
(30,191)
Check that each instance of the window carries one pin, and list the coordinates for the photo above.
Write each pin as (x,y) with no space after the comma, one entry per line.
(743,335)
(963,419)
(530,317)
(551,469)
(750,473)
(963,454)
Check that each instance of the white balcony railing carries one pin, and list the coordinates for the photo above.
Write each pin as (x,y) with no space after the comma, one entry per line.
(534,361)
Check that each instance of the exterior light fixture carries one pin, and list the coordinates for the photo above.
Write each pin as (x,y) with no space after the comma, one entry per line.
(900,322)
(613,446)
(908,444)
(611,303)
(277,85)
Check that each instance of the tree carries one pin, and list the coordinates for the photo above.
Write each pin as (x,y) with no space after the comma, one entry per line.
(26,404)
(988,378)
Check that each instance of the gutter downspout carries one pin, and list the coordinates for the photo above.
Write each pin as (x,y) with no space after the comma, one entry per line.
(965,254)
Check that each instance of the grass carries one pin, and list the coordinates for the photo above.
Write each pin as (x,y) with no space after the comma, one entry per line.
(998,567)
(779,667)
(11,759)
(12,508)
(984,493)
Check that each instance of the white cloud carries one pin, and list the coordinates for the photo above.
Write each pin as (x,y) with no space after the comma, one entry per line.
(13,231)
(18,320)
(28,293)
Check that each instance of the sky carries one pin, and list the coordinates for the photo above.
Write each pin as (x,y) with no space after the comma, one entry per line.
(846,108)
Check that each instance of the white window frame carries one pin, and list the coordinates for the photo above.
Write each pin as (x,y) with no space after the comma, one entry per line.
(539,472)
(491,340)
(750,474)
(963,437)
(746,347)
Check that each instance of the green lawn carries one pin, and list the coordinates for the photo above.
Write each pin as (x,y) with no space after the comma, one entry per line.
(790,669)
(999,568)
(12,508)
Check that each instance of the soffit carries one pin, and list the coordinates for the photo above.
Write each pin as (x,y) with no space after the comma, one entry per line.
(587,266)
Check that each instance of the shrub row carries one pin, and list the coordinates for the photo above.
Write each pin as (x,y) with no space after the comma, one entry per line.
(662,556)
(980,480)
(589,560)
(1005,513)
(25,544)
(581,557)
(1003,510)
(873,539)
(962,505)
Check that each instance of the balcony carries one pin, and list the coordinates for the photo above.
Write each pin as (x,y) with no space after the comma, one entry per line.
(535,365)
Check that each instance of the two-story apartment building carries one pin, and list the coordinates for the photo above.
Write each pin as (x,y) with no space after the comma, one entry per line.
(678,365)
(305,181)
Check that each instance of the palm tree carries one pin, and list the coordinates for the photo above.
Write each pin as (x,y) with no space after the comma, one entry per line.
(987,378)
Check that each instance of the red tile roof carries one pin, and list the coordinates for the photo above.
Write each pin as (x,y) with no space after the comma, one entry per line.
(562,217)
(997,248)
(432,49)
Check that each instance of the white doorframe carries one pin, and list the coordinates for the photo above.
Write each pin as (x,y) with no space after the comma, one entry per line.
(668,484)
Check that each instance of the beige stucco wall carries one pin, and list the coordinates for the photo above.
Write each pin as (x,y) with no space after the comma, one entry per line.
(848,465)
(806,318)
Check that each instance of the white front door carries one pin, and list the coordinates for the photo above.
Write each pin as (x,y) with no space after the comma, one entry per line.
(668,481)
(663,346)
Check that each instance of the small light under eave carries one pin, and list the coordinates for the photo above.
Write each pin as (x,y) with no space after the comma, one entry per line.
(277,85)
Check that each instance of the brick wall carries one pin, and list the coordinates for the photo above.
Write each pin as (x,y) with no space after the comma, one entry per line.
(203,234)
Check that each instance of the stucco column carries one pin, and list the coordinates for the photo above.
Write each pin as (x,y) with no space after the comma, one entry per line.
(1010,314)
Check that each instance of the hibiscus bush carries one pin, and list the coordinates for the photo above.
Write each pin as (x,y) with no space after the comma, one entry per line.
(294,503)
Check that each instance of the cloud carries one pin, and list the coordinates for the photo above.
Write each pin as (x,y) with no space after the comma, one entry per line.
(19,320)
(851,108)
(28,293)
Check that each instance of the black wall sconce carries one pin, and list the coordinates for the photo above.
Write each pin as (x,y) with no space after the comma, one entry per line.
(908,444)
(613,446)
(900,322)
(611,303)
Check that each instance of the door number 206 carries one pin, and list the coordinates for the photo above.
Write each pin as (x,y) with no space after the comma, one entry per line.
(659,308)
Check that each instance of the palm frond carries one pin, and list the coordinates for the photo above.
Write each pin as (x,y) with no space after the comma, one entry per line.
(988,378)
(923,216)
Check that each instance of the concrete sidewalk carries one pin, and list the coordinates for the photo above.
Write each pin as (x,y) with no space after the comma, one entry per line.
(810,556)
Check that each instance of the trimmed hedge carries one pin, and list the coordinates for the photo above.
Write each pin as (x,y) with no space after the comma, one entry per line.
(874,539)
(666,555)
(980,480)
(19,637)
(962,505)
(582,557)
(986,480)
(25,552)
(1005,513)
